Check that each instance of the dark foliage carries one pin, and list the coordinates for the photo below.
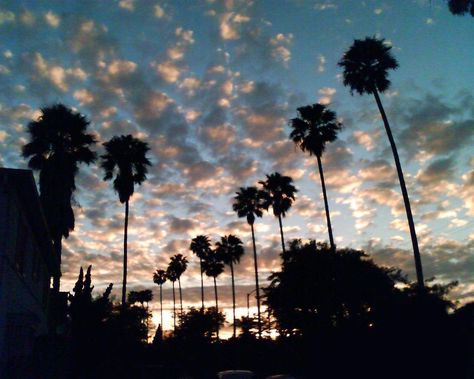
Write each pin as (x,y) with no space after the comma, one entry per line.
(366,65)
(199,325)
(461,7)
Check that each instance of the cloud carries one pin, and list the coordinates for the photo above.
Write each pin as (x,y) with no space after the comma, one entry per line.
(52,19)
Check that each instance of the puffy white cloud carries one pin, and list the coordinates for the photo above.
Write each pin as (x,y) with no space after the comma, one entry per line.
(52,19)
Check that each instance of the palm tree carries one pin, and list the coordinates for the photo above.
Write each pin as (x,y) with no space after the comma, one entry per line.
(172,277)
(280,196)
(461,7)
(249,202)
(213,266)
(314,127)
(159,278)
(230,249)
(125,158)
(366,64)
(179,264)
(201,246)
(58,143)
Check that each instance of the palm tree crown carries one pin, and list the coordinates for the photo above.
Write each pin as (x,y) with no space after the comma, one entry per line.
(366,64)
(461,7)
(280,193)
(230,249)
(179,263)
(315,126)
(159,277)
(249,202)
(200,245)
(213,265)
(58,143)
(126,157)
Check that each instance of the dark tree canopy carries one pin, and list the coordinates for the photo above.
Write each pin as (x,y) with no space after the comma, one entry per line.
(159,277)
(366,65)
(230,249)
(280,193)
(249,202)
(315,126)
(125,158)
(213,265)
(317,289)
(200,245)
(199,324)
(461,7)
(178,264)
(59,142)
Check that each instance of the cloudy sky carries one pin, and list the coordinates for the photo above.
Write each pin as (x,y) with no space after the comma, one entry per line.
(211,85)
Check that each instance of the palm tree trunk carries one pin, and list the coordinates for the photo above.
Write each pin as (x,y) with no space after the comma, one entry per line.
(281,234)
(233,296)
(161,305)
(124,285)
(202,285)
(406,200)
(257,289)
(326,205)
(180,295)
(217,306)
(174,309)
(57,245)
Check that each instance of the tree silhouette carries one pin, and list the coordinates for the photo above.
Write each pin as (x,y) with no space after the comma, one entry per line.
(366,64)
(199,325)
(230,249)
(314,127)
(172,277)
(125,158)
(249,202)
(58,144)
(201,246)
(280,193)
(461,7)
(213,266)
(317,290)
(179,263)
(159,278)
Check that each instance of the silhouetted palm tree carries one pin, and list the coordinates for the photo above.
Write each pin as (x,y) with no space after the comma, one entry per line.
(58,143)
(125,158)
(172,277)
(461,7)
(201,246)
(179,264)
(314,127)
(230,249)
(280,196)
(249,202)
(366,64)
(213,266)
(159,277)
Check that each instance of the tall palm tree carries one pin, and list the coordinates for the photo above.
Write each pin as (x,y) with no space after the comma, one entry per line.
(213,266)
(201,246)
(58,144)
(280,196)
(249,202)
(159,278)
(125,158)
(230,249)
(179,264)
(314,127)
(366,64)
(172,277)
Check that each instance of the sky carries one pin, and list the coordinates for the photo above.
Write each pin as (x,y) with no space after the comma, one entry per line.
(211,85)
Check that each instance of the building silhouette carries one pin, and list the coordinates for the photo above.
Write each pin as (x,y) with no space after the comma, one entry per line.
(27,263)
